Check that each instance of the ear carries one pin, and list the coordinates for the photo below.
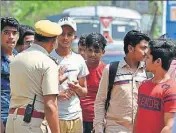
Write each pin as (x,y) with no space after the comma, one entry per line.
(158,62)
(130,48)
(75,37)
(54,41)
(103,52)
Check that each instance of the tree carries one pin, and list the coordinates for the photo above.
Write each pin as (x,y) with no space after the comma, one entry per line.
(156,11)
(6,8)
(28,12)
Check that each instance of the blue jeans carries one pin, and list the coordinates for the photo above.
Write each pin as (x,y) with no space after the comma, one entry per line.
(87,127)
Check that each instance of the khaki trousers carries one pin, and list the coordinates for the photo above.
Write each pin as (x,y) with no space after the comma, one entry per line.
(71,126)
(15,124)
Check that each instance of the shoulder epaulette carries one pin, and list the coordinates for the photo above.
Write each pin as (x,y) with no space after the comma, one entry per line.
(54,59)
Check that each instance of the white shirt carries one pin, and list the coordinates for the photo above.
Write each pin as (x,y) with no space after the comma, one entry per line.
(76,68)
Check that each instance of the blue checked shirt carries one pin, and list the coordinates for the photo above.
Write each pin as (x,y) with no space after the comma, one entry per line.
(5,86)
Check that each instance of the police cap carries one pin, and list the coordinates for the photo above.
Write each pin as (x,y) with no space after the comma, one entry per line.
(47,28)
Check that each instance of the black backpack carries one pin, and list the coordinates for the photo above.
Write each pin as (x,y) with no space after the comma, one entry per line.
(112,73)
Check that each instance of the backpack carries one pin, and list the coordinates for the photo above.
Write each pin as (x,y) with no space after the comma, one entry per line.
(112,73)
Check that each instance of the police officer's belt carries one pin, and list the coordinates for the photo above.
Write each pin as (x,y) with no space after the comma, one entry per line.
(21,111)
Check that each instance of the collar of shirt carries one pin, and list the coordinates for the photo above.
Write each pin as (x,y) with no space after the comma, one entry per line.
(5,57)
(124,64)
(40,48)
(64,57)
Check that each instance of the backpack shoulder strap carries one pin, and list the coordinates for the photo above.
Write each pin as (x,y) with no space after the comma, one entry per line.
(112,73)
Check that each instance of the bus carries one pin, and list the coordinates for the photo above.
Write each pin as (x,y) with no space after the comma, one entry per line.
(112,22)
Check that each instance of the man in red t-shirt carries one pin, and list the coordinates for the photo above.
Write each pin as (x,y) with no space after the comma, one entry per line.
(157,97)
(95,48)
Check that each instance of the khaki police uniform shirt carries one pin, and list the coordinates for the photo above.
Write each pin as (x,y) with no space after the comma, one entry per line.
(123,103)
(32,72)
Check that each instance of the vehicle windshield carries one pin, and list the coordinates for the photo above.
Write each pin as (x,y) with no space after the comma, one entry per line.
(119,27)
(87,26)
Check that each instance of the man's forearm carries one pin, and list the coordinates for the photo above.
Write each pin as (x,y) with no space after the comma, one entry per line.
(98,121)
(99,113)
(2,127)
(166,129)
(134,124)
(169,122)
(99,106)
(81,91)
(51,113)
(99,128)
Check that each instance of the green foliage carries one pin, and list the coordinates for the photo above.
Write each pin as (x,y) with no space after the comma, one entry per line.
(28,12)
(156,7)
(152,6)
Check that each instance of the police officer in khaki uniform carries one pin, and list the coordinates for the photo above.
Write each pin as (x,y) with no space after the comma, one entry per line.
(34,73)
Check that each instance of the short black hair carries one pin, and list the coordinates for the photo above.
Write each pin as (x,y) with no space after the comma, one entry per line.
(28,30)
(96,40)
(43,38)
(82,40)
(166,36)
(24,30)
(134,37)
(163,49)
(9,21)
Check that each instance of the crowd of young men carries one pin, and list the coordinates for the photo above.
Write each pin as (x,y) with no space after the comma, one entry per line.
(46,87)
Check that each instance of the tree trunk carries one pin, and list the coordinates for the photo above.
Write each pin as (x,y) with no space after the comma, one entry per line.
(154,22)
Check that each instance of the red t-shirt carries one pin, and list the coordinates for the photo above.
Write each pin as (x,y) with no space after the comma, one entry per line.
(87,103)
(153,101)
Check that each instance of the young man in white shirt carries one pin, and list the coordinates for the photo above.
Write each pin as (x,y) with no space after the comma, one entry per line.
(74,68)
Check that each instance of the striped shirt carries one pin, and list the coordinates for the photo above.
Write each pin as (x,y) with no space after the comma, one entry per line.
(123,103)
